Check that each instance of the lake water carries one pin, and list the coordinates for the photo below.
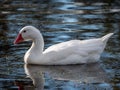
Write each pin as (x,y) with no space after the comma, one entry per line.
(58,20)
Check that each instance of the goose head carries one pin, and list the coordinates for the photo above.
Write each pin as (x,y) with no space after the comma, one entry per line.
(27,33)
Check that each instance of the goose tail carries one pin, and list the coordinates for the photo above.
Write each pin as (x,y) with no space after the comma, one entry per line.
(106,37)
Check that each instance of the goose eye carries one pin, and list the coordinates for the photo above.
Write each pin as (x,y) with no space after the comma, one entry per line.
(24,31)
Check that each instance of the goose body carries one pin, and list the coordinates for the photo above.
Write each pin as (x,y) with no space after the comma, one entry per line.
(69,52)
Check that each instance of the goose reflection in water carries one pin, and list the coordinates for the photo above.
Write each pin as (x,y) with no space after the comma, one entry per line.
(87,73)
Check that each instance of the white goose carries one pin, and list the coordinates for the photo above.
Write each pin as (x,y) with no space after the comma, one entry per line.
(69,52)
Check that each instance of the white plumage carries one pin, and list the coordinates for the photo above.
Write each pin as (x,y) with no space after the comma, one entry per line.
(69,52)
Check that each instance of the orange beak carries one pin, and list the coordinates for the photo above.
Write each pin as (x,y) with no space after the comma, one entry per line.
(18,39)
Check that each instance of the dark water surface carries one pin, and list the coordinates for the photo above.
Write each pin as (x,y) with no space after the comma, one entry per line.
(58,20)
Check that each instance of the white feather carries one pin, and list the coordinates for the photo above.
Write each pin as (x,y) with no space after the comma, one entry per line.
(69,52)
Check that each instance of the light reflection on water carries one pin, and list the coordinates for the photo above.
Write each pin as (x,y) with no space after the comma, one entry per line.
(58,20)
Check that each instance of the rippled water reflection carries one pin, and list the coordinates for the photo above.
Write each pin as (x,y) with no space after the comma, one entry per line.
(59,20)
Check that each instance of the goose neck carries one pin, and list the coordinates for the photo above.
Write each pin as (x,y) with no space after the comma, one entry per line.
(37,45)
